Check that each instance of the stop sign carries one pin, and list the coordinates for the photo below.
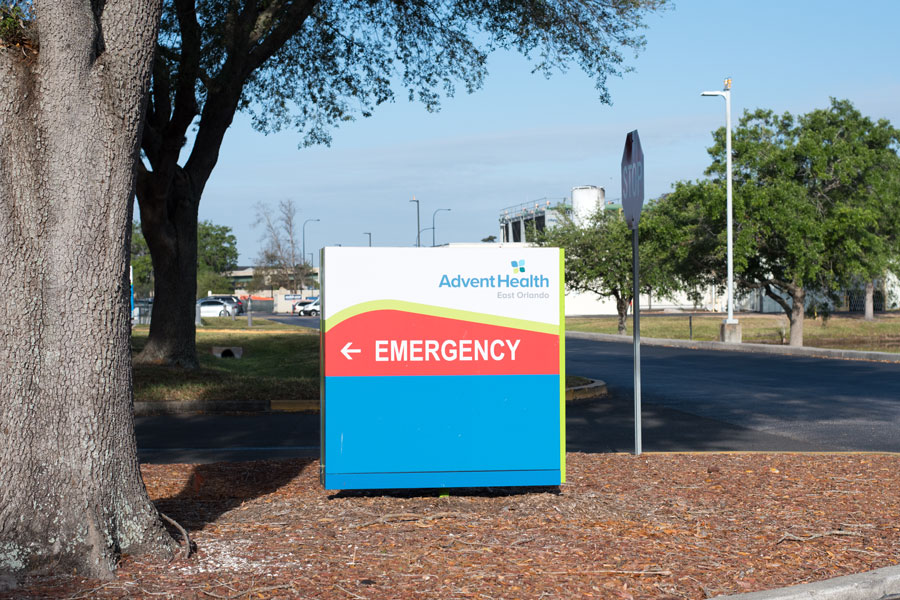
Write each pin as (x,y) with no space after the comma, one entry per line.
(632,179)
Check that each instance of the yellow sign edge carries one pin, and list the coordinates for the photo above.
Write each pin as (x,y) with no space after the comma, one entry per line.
(438,311)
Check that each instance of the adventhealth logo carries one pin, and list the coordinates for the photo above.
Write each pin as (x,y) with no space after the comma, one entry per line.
(497,281)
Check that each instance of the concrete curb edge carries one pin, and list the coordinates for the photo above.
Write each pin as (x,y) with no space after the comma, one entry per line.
(756,348)
(146,409)
(596,388)
(880,584)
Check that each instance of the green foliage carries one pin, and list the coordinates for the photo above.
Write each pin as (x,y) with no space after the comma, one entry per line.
(598,256)
(216,254)
(141,263)
(216,247)
(16,18)
(210,281)
(816,203)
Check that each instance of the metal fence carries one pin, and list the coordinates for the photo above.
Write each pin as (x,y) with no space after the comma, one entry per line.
(141,315)
(856,300)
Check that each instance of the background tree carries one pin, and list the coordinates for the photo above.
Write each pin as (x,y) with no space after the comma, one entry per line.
(281,263)
(141,263)
(71,109)
(311,65)
(816,206)
(598,258)
(216,255)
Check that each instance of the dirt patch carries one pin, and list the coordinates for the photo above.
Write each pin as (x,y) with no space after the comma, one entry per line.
(657,526)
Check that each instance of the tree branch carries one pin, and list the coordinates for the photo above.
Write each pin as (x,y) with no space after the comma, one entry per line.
(288,25)
(778,299)
(188,68)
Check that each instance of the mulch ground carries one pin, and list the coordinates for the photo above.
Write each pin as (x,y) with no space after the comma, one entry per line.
(656,526)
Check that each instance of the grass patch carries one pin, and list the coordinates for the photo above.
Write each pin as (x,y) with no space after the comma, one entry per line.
(279,362)
(846,332)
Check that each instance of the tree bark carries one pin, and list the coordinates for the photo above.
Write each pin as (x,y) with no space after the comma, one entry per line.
(870,301)
(71,494)
(622,312)
(169,200)
(169,213)
(798,311)
(795,309)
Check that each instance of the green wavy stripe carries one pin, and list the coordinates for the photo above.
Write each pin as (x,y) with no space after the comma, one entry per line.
(437,311)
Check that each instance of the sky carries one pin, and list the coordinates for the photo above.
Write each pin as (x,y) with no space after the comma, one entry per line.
(523,137)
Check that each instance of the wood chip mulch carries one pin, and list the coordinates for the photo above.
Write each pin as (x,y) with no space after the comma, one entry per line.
(660,526)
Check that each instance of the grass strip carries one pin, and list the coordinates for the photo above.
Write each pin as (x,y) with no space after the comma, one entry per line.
(279,362)
(844,332)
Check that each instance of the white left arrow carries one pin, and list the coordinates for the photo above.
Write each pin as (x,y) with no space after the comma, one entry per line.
(347,351)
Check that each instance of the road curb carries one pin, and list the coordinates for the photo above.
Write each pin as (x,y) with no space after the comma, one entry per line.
(147,409)
(593,389)
(880,584)
(889,357)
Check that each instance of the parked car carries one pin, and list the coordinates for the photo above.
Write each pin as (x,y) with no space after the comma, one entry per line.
(234,303)
(312,309)
(210,307)
(299,304)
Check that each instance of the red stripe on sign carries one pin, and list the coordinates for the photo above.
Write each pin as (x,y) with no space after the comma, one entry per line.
(393,342)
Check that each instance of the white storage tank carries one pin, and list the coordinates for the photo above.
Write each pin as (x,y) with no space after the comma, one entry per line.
(586,199)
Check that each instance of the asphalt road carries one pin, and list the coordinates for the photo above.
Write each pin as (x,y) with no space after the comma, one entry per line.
(827,403)
(692,400)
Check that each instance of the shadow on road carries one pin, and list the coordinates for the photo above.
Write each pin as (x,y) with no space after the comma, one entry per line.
(606,424)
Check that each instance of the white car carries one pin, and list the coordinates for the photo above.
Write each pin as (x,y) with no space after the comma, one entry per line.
(213,308)
(312,309)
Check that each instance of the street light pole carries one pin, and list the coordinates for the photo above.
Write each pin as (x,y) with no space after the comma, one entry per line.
(370,237)
(304,243)
(432,224)
(418,224)
(304,235)
(726,93)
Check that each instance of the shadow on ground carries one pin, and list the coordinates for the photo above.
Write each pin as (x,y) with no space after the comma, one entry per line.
(606,424)
(214,489)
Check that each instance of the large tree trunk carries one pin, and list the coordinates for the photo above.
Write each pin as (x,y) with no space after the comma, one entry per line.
(798,310)
(795,309)
(169,222)
(169,199)
(71,494)
(870,301)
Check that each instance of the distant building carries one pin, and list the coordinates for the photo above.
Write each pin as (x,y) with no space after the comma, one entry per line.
(517,223)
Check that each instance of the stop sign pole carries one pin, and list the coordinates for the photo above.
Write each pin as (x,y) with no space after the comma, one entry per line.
(632,202)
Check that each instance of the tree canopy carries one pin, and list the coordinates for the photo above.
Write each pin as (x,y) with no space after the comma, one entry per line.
(312,65)
(216,247)
(816,206)
(598,257)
